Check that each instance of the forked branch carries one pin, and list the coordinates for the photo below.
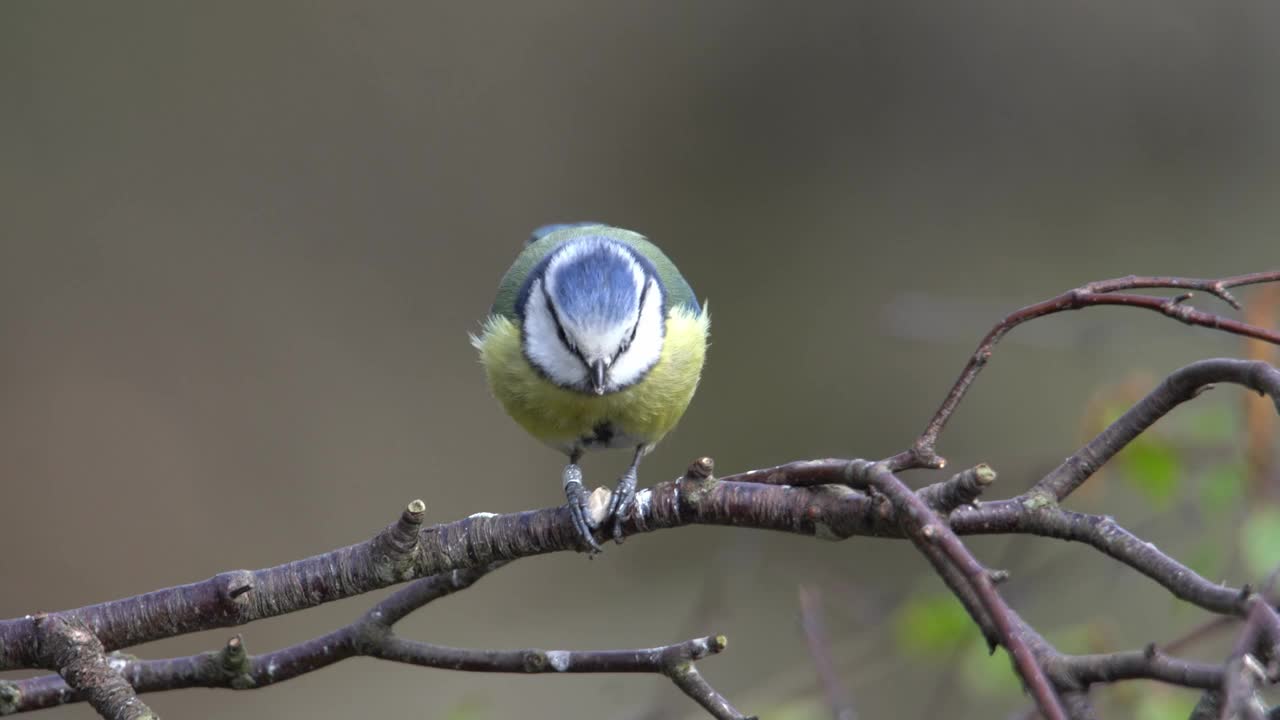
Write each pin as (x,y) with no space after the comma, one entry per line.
(831,499)
(372,635)
(923,454)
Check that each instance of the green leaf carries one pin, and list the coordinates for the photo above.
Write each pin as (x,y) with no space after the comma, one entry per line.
(932,624)
(1152,467)
(1223,487)
(1260,541)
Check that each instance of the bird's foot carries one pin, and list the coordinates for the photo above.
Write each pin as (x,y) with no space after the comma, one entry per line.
(624,496)
(578,497)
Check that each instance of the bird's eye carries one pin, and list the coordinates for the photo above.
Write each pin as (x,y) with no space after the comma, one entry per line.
(565,339)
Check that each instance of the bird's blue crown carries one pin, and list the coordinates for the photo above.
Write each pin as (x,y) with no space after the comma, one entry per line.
(594,279)
(597,287)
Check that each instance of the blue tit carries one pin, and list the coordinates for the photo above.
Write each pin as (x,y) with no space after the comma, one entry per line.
(594,341)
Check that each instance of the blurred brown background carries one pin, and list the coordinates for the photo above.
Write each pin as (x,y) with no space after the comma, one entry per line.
(242,245)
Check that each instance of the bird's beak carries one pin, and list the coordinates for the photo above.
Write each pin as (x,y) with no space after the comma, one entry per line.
(598,372)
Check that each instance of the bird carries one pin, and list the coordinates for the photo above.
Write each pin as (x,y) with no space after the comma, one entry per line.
(595,341)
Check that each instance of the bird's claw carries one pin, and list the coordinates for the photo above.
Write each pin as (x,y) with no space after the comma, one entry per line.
(624,496)
(578,497)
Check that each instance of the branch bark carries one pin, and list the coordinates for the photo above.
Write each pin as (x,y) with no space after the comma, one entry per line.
(371,636)
(923,454)
(67,646)
(830,499)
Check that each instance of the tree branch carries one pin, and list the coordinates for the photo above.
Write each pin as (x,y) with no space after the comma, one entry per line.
(829,511)
(231,667)
(923,453)
(963,488)
(372,636)
(67,646)
(1146,664)
(1252,662)
(1181,386)
(925,530)
(832,499)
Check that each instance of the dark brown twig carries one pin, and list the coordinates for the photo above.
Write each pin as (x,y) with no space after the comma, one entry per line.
(1146,664)
(674,661)
(231,667)
(1256,649)
(1104,292)
(925,530)
(1183,385)
(963,488)
(1266,589)
(372,636)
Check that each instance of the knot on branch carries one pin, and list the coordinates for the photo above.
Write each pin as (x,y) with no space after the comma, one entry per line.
(396,548)
(678,659)
(541,661)
(677,663)
(233,590)
(234,664)
(701,469)
(923,454)
(10,697)
(696,481)
(1036,500)
(963,488)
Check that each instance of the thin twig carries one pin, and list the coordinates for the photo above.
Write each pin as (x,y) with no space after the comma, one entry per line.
(372,636)
(925,530)
(1256,649)
(1266,589)
(963,488)
(232,667)
(1181,386)
(674,661)
(1146,664)
(1105,292)
(1028,515)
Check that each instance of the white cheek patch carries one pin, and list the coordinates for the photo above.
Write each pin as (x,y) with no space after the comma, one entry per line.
(646,348)
(542,342)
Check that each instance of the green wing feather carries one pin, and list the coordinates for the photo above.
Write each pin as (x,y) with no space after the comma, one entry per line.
(678,290)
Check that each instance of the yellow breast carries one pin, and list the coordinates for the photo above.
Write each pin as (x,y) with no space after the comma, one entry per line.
(643,412)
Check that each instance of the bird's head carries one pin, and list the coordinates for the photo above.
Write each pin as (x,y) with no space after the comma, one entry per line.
(593,316)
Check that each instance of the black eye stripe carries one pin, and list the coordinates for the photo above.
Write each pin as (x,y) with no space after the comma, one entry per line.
(636,327)
(555,318)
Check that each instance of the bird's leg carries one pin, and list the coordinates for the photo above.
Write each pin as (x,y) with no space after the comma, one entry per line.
(577,496)
(624,496)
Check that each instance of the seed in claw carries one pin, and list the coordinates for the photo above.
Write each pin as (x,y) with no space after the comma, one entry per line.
(598,505)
